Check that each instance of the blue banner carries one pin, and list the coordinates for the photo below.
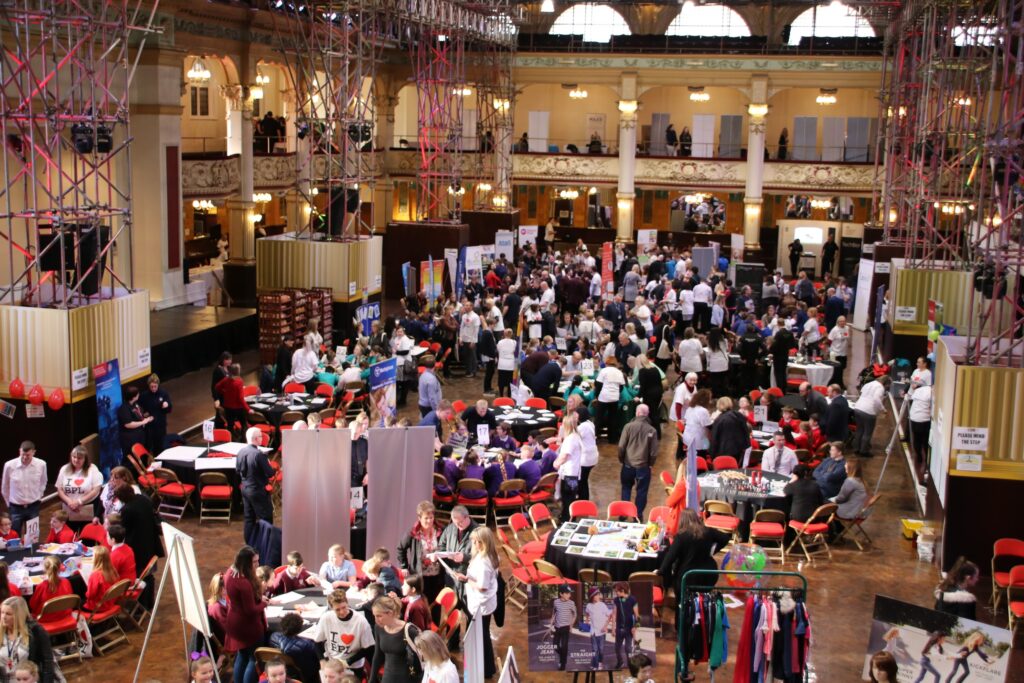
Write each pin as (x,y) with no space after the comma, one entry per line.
(366,314)
(460,274)
(406,267)
(382,391)
(108,401)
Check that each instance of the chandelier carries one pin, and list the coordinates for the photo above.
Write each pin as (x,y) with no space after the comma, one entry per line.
(578,94)
(821,203)
(697,94)
(569,193)
(198,73)
(826,96)
(202,204)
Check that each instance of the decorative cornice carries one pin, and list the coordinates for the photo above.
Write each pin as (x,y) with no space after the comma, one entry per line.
(210,178)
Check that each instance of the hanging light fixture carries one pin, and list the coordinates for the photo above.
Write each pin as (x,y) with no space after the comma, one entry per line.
(963,101)
(483,187)
(261,78)
(456,189)
(569,193)
(695,198)
(502,104)
(256,92)
(758,111)
(578,94)
(697,94)
(547,6)
(198,73)
(826,96)
(817,203)
(462,90)
(500,201)
(261,197)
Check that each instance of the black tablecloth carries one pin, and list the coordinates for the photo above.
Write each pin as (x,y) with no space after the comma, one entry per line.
(795,401)
(745,503)
(10,556)
(282,404)
(570,565)
(520,426)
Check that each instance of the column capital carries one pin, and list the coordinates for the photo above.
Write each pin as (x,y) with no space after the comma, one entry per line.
(238,96)
(756,125)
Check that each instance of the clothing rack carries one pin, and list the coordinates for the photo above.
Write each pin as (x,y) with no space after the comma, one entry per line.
(687,586)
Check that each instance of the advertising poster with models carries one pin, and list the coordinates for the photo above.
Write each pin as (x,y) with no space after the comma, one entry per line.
(382,391)
(927,645)
(108,401)
(589,626)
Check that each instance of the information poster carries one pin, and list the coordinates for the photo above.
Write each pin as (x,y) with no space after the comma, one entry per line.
(571,627)
(382,390)
(432,278)
(930,645)
(646,239)
(504,244)
(607,271)
(366,314)
(108,401)
(527,235)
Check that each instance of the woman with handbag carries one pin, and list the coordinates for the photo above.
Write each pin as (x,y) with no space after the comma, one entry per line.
(481,579)
(394,658)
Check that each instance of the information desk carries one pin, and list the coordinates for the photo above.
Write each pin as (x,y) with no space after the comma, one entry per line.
(616,548)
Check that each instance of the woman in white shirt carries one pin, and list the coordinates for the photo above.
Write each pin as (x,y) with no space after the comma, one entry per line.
(589,329)
(506,363)
(920,421)
(533,319)
(588,454)
(78,484)
(437,662)
(811,334)
(698,420)
(568,463)
(606,406)
(686,304)
(690,352)
(481,579)
(643,314)
(921,376)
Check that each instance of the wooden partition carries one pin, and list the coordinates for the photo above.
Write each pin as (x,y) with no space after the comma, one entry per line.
(413,242)
(350,269)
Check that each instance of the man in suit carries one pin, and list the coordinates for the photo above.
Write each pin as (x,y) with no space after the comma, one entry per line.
(836,422)
(816,403)
(834,308)
(615,312)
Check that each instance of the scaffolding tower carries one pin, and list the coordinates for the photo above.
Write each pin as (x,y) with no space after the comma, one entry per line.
(495,102)
(332,50)
(952,109)
(65,200)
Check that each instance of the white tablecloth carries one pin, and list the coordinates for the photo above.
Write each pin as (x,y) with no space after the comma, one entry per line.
(818,374)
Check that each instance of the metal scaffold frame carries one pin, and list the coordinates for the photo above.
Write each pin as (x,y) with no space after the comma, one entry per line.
(66,200)
(953,121)
(332,50)
(495,102)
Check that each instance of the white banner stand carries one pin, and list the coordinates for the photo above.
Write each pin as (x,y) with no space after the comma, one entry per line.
(188,590)
(473,648)
(510,669)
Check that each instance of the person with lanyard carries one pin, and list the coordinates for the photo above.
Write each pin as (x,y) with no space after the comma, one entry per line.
(254,473)
(132,420)
(455,539)
(23,485)
(157,403)
(626,615)
(22,639)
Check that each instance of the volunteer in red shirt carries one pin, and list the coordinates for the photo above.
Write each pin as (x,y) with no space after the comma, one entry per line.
(121,555)
(231,390)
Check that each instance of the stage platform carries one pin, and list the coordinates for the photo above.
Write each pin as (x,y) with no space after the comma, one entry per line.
(186,338)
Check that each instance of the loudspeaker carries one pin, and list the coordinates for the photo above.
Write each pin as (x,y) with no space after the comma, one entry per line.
(90,244)
(50,258)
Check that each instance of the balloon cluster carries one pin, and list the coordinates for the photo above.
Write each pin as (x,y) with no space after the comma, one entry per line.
(36,394)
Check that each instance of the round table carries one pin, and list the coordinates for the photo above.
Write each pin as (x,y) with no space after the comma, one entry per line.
(274,406)
(794,401)
(524,420)
(13,555)
(744,503)
(619,568)
(309,595)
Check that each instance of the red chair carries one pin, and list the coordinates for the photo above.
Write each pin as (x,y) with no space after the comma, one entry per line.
(435,347)
(658,513)
(518,523)
(441,499)
(821,390)
(776,392)
(540,516)
(667,479)
(1006,554)
(63,625)
(325,390)
(445,602)
(250,391)
(812,535)
(719,515)
(769,527)
(1015,595)
(294,388)
(93,532)
(509,499)
(725,462)
(175,497)
(582,508)
(424,345)
(504,401)
(755,395)
(221,436)
(702,464)
(459,406)
(537,403)
(103,624)
(215,492)
(477,507)
(622,508)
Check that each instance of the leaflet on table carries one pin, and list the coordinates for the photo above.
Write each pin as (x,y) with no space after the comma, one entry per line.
(260,406)
(273,611)
(287,598)
(234,448)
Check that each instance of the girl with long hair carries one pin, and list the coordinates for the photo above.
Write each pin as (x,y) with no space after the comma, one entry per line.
(7,589)
(103,576)
(78,485)
(437,662)
(692,548)
(953,595)
(53,586)
(481,579)
(392,651)
(568,463)
(23,640)
(246,623)
(718,361)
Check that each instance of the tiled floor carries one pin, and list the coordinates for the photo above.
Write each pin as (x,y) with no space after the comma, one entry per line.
(840,597)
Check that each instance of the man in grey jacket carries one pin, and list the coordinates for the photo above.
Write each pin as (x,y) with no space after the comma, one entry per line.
(455,539)
(638,449)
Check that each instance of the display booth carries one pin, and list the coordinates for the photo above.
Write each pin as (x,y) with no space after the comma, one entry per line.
(813,235)
(977,450)
(56,350)
(400,467)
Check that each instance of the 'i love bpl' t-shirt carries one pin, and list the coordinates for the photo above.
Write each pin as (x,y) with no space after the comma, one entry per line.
(344,637)
(77,484)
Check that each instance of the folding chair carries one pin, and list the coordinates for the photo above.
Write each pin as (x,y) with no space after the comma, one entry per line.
(294,388)
(769,526)
(583,508)
(450,625)
(95,533)
(103,624)
(540,516)
(622,508)
(1006,553)
(530,547)
(1015,596)
(477,507)
(175,497)
(812,535)
(719,515)
(521,577)
(657,592)
(66,625)
(550,573)
(509,499)
(855,525)
(589,575)
(134,609)
(543,492)
(215,492)
(658,513)
(668,480)
(725,462)
(264,655)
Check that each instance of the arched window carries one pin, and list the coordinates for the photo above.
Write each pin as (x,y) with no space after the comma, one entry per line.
(835,20)
(707,20)
(596,23)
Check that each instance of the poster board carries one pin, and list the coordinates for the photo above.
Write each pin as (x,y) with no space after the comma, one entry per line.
(188,586)
(510,669)
(383,377)
(527,234)
(904,630)
(572,649)
(108,401)
(504,244)
(404,462)
(862,316)
(319,466)
(646,239)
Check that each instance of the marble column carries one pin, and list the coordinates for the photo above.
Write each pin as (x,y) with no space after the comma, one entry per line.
(752,201)
(626,192)
(241,231)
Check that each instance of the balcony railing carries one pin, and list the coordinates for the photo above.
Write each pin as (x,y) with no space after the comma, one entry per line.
(219,177)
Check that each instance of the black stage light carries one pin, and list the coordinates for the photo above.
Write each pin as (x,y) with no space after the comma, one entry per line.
(81,138)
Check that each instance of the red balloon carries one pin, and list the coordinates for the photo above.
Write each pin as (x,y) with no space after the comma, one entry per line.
(16,388)
(56,400)
(36,395)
